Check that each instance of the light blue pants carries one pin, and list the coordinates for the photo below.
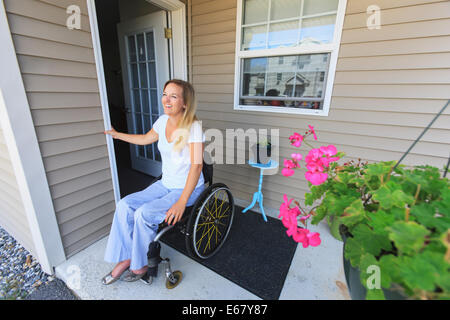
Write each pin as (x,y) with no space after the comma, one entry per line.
(136,221)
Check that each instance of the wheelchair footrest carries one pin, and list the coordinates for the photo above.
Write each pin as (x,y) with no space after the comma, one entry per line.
(154,258)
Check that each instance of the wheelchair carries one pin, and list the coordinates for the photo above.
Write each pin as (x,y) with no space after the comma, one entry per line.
(205,226)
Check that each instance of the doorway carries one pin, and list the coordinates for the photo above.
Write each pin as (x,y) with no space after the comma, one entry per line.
(137,58)
(144,56)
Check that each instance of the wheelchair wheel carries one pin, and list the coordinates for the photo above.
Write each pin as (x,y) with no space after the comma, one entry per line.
(210,221)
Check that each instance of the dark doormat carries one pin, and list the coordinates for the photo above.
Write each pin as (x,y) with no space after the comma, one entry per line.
(256,255)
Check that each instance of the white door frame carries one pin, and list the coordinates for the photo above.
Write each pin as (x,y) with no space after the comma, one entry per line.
(178,55)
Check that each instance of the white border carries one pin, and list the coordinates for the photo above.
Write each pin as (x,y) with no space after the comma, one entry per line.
(331,48)
(178,11)
(26,158)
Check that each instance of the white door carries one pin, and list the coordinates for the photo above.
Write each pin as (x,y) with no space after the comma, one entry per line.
(144,55)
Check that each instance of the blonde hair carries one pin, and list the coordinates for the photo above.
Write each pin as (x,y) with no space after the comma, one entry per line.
(184,126)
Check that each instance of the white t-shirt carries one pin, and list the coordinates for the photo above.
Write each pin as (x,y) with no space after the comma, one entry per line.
(176,165)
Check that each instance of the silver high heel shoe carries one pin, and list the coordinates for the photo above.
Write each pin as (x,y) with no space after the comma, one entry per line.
(130,276)
(109,279)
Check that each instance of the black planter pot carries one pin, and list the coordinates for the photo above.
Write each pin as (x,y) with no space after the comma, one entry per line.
(352,276)
(263,154)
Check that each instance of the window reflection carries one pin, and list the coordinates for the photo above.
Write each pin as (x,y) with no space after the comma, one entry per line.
(290,23)
(297,81)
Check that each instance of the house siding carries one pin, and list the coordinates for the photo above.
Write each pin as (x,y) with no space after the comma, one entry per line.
(13,217)
(389,84)
(60,79)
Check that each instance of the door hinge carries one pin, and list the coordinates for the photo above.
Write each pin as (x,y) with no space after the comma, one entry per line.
(168,33)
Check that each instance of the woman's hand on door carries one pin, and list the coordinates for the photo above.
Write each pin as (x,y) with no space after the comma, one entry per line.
(113,133)
(138,139)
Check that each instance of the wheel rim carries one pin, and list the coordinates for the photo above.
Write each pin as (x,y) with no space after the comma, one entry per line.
(213,223)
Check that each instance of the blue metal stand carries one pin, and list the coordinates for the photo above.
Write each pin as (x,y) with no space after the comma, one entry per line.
(258,196)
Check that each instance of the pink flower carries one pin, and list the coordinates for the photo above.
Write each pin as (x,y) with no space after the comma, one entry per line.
(314,239)
(316,160)
(301,236)
(316,178)
(296,156)
(296,139)
(313,155)
(288,169)
(288,215)
(307,238)
(312,131)
(287,172)
(305,217)
(289,164)
(315,166)
(328,151)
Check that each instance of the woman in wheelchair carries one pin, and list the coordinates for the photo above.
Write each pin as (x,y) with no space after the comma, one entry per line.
(138,215)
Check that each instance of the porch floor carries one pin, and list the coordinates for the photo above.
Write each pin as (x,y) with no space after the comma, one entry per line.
(315,274)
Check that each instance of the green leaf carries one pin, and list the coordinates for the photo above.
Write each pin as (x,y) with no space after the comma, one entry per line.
(441,268)
(389,265)
(316,193)
(419,273)
(425,215)
(334,227)
(321,212)
(380,220)
(372,243)
(409,237)
(400,198)
(353,251)
(443,205)
(384,197)
(354,214)
(365,241)
(390,195)
(380,168)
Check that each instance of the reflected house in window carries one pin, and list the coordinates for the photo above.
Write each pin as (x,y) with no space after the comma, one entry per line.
(296,85)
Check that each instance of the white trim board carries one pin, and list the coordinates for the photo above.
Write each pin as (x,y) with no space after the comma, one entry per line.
(23,146)
(103,95)
(177,10)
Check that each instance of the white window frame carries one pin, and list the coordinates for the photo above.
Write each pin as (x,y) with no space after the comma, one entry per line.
(332,48)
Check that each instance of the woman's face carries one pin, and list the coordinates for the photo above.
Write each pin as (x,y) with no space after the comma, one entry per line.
(172,100)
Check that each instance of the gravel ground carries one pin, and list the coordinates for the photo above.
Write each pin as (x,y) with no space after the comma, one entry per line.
(21,276)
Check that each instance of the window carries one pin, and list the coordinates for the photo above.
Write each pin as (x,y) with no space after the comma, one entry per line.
(287,49)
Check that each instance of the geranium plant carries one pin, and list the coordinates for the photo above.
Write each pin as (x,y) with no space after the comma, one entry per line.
(393,217)
(317,162)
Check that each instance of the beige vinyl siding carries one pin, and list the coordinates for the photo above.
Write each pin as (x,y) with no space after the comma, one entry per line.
(59,74)
(389,84)
(13,217)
